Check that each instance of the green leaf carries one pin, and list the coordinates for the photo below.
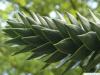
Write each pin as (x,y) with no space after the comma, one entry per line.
(85,22)
(73,31)
(61,17)
(37,29)
(80,54)
(31,21)
(16,24)
(52,35)
(42,20)
(72,19)
(20,31)
(50,23)
(90,40)
(94,17)
(66,46)
(92,25)
(46,48)
(55,57)
(34,40)
(96,28)
(10,32)
(61,27)
(25,21)
(16,40)
(34,16)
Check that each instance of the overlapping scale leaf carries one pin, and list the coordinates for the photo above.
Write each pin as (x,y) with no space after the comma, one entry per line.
(72,19)
(52,35)
(73,31)
(66,46)
(85,22)
(61,27)
(90,40)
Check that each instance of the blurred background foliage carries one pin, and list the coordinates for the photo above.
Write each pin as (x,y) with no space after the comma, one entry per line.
(18,65)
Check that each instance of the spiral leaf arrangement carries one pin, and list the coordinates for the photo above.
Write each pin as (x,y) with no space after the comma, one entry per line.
(55,40)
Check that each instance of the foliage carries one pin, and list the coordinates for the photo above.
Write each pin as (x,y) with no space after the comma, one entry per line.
(11,7)
(55,40)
